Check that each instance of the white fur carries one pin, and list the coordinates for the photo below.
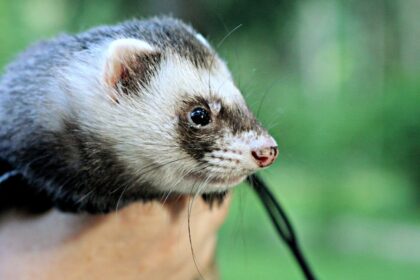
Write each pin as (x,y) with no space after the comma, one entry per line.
(143,127)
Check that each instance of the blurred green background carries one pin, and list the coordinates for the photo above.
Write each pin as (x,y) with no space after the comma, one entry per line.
(337,83)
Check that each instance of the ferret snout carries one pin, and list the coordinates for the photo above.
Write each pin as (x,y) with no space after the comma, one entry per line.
(265,152)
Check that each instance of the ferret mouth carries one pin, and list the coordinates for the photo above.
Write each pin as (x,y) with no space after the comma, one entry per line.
(216,180)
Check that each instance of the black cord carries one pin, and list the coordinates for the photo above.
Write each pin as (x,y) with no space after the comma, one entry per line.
(281,223)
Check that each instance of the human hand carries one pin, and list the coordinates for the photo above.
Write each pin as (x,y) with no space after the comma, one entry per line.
(141,241)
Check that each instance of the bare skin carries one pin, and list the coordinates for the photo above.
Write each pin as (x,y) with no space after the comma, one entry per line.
(141,241)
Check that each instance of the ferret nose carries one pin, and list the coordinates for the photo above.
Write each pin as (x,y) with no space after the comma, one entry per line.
(265,155)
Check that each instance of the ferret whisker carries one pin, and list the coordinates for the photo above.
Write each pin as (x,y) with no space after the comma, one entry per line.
(142,144)
(160,165)
(153,166)
(269,128)
(129,186)
(266,93)
(83,197)
(190,206)
(35,160)
(214,54)
(166,197)
(194,169)
(120,198)
(274,123)
(228,35)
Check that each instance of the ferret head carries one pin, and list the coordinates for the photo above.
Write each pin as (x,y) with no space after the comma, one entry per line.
(174,115)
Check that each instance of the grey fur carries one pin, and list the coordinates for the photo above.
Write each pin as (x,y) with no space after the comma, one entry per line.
(64,159)
(79,169)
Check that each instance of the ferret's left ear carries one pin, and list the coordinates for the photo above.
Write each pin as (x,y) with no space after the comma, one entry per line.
(129,62)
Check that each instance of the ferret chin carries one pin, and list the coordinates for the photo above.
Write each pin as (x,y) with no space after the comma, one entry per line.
(128,112)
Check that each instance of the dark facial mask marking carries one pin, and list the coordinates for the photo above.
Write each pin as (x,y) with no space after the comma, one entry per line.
(199,141)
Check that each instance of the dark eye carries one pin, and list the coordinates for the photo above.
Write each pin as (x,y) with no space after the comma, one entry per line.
(199,117)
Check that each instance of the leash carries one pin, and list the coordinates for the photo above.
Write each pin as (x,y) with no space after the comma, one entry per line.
(281,223)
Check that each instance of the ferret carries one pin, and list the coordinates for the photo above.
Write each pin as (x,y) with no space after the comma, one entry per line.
(136,111)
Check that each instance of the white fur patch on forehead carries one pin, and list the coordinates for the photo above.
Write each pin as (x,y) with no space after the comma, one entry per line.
(179,77)
(215,107)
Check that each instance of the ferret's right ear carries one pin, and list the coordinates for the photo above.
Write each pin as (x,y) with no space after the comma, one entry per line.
(129,62)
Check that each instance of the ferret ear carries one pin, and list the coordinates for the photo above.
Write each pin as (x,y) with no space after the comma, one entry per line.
(129,62)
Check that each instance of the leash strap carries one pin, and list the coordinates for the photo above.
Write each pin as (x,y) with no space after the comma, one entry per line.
(281,223)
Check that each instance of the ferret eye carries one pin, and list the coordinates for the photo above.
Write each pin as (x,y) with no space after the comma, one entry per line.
(199,117)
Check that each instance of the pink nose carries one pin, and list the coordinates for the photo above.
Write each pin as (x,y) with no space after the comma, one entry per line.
(265,156)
